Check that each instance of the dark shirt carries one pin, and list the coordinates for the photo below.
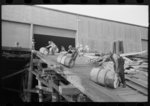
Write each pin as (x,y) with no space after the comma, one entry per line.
(121,65)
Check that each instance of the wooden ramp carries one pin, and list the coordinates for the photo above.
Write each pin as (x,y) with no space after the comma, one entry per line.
(79,76)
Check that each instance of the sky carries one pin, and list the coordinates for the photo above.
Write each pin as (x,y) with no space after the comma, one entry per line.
(132,14)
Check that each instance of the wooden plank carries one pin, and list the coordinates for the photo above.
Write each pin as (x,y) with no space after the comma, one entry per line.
(141,78)
(136,98)
(127,93)
(135,53)
(137,87)
(68,90)
(137,82)
(47,89)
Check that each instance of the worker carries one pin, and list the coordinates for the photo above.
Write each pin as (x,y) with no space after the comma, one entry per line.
(62,49)
(118,65)
(52,47)
(121,70)
(70,49)
(49,45)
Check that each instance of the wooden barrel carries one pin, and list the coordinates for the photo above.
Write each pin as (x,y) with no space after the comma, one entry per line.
(43,50)
(68,62)
(94,74)
(101,76)
(63,59)
(111,79)
(59,58)
(104,77)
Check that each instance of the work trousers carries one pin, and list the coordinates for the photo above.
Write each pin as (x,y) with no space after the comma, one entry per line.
(122,77)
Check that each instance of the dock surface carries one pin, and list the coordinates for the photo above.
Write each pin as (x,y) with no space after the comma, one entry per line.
(79,76)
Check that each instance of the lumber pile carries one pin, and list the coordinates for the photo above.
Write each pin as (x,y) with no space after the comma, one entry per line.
(136,63)
(136,70)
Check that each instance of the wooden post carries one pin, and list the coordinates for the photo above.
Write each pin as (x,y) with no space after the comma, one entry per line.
(30,76)
(40,91)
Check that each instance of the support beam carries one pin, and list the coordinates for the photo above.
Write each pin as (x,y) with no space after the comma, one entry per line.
(30,76)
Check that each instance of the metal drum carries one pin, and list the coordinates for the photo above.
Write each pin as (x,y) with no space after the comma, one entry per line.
(43,50)
(111,79)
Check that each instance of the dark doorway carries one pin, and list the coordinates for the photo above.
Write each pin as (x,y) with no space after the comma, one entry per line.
(42,41)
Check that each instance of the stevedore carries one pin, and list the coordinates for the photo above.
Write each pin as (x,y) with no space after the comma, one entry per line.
(73,51)
(49,45)
(118,65)
(70,49)
(62,49)
(53,46)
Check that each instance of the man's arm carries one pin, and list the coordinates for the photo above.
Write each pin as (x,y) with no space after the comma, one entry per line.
(105,58)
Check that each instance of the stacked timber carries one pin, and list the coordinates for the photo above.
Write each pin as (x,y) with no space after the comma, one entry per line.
(137,62)
(105,76)
(136,70)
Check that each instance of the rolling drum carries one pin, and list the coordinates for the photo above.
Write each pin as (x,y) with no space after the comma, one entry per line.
(63,59)
(68,61)
(109,65)
(111,79)
(94,74)
(59,58)
(101,76)
(43,50)
(104,77)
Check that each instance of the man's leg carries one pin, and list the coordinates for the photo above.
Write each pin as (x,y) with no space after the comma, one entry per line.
(122,77)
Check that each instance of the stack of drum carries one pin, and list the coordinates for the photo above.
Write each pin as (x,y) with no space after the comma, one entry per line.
(104,76)
(65,59)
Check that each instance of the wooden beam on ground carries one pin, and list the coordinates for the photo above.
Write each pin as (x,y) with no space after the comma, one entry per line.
(137,87)
(68,90)
(137,82)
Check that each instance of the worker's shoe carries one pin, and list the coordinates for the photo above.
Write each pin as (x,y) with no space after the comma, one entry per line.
(124,85)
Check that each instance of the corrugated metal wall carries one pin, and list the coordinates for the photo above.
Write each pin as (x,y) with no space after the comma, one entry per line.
(39,16)
(100,34)
(42,30)
(13,32)
(144,44)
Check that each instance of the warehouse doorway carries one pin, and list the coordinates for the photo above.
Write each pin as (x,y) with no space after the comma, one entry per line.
(42,41)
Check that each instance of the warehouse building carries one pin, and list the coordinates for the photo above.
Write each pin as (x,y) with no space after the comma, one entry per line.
(22,22)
